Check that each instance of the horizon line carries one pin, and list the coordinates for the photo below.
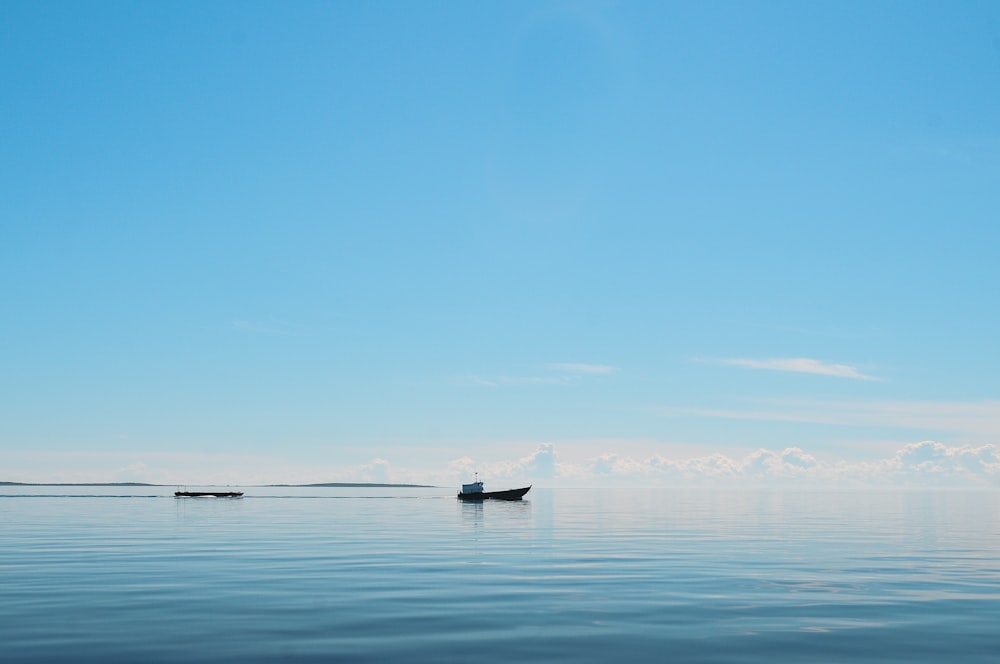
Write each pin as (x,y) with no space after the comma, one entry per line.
(316,485)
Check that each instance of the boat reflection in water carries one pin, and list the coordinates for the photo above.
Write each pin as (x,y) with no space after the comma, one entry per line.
(208,494)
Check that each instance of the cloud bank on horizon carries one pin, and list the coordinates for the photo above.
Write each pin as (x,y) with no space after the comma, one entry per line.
(924,463)
(919,464)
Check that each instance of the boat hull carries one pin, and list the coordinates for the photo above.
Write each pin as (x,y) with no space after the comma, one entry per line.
(509,494)
(208,494)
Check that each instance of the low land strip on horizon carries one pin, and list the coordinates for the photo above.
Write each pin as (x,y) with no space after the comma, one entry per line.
(326,484)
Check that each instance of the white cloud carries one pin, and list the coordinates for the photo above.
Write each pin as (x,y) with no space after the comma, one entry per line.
(799,365)
(924,463)
(540,464)
(930,457)
(915,464)
(789,462)
(377,471)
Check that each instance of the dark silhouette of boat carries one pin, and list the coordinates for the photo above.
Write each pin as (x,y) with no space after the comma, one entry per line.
(475,491)
(206,494)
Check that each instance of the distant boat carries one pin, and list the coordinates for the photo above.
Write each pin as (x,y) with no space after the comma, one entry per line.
(475,491)
(208,494)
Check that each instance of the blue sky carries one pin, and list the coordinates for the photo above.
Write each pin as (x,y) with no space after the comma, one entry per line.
(571,243)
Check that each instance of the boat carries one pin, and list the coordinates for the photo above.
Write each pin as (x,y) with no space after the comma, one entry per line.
(208,494)
(474,491)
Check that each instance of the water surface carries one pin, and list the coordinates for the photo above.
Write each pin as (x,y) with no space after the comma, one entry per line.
(284,574)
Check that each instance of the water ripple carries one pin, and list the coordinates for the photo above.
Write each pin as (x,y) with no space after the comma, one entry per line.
(564,576)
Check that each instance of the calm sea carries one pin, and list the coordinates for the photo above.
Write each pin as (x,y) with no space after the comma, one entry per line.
(132,574)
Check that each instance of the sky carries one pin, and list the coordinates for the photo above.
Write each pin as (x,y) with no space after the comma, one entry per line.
(565,243)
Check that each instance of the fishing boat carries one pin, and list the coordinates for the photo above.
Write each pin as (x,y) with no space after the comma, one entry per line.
(208,494)
(475,491)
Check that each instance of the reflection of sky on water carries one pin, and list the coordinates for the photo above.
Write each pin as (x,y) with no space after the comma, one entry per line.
(566,575)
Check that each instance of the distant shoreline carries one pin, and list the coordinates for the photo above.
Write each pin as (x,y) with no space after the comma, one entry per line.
(322,485)
(355,484)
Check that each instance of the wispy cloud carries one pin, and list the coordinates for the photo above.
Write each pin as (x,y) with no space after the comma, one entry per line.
(798,365)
